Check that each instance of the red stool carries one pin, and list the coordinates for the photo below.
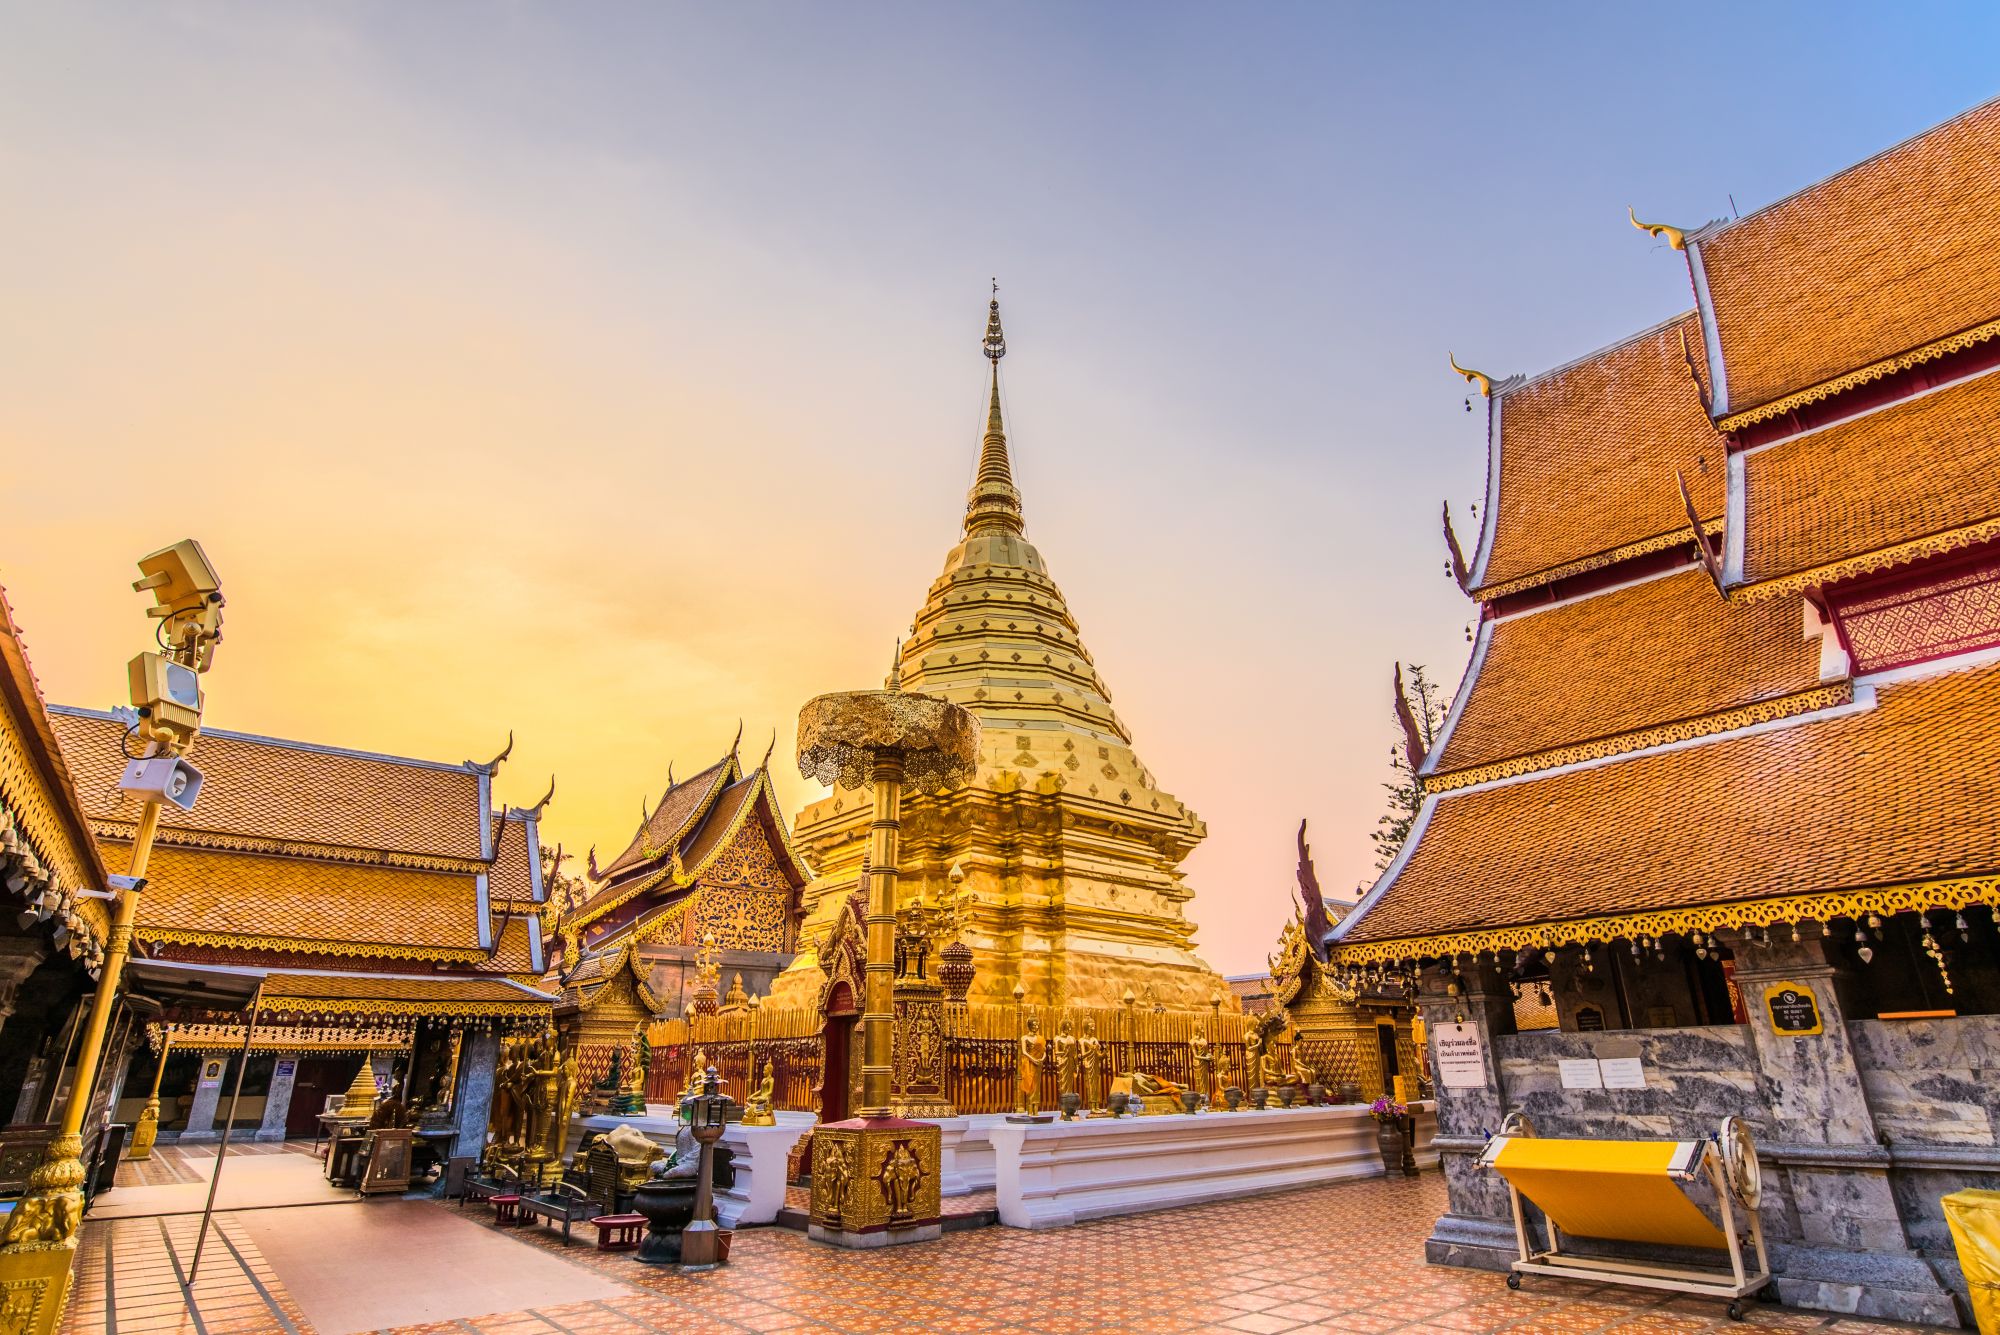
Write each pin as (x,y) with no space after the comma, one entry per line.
(507,1210)
(619,1232)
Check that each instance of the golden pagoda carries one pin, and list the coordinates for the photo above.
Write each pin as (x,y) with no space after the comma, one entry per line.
(1070,851)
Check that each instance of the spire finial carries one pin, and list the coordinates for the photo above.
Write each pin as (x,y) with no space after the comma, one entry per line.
(894,681)
(994,506)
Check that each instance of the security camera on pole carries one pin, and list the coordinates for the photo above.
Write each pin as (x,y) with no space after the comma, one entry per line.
(39,1244)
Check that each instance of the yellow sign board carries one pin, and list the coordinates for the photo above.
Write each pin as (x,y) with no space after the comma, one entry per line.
(1793,1009)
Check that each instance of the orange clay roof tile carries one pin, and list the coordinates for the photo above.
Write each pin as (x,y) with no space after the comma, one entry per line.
(1653,652)
(1889,255)
(309,987)
(1900,792)
(1915,468)
(512,878)
(289,791)
(663,830)
(1588,454)
(241,894)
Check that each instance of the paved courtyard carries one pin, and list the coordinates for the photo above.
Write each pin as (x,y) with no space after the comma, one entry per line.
(1338,1258)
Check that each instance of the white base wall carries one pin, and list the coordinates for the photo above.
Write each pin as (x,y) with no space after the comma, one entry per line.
(761,1154)
(1057,1173)
(966,1163)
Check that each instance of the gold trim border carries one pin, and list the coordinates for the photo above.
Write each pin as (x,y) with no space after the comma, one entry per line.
(403,1009)
(1659,542)
(1826,389)
(1868,563)
(1912,896)
(121,831)
(1706,725)
(229,941)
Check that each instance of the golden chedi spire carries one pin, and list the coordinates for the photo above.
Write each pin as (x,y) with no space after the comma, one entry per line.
(993,505)
(1086,898)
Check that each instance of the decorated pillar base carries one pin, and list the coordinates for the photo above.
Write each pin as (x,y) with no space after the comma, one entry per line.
(40,1242)
(875,1183)
(34,1287)
(145,1131)
(920,1053)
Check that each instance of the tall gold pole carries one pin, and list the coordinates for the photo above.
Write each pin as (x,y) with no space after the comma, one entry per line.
(148,1127)
(878,1017)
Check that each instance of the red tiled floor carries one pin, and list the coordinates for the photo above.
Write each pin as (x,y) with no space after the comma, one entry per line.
(1346,1258)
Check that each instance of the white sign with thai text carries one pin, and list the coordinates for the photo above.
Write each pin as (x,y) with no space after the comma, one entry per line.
(1623,1072)
(1580,1073)
(1461,1057)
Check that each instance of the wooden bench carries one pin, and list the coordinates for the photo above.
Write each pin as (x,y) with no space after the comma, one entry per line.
(485,1186)
(560,1204)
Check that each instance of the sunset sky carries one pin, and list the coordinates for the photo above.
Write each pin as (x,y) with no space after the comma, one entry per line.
(610,373)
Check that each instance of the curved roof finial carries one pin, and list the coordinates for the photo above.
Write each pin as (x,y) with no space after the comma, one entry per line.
(1673,236)
(738,739)
(494,764)
(1479,378)
(770,749)
(547,798)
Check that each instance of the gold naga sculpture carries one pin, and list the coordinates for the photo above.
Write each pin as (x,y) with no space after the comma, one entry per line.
(1674,236)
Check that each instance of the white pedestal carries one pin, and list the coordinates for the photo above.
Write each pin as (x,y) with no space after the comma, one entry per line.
(761,1154)
(1057,1173)
(966,1163)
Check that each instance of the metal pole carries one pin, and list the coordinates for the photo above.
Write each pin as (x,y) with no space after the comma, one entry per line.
(222,1149)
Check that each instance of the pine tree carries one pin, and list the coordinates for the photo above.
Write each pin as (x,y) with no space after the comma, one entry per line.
(1406,795)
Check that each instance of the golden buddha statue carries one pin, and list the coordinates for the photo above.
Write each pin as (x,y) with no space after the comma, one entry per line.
(1090,1052)
(757,1109)
(1028,1069)
(1204,1065)
(1066,1058)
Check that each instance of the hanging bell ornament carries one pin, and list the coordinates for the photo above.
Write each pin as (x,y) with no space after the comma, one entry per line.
(1867,954)
(1796,938)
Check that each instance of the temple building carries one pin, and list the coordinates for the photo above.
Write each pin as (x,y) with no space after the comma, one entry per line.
(1069,849)
(711,864)
(53,933)
(396,907)
(1717,791)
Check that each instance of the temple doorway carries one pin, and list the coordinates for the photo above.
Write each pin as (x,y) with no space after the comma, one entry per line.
(317,1077)
(838,1039)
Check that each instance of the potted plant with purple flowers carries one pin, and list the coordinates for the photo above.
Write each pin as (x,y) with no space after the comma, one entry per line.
(1392,1121)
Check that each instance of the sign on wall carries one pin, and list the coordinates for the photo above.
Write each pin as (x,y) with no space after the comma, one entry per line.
(1461,1057)
(1793,1009)
(211,1073)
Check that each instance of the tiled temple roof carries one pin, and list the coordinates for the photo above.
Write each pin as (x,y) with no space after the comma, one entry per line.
(287,792)
(1890,255)
(1606,435)
(1660,650)
(1920,467)
(1870,796)
(202,896)
(679,807)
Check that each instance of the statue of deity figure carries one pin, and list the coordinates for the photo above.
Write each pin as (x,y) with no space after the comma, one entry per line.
(757,1106)
(832,1173)
(1066,1058)
(1254,1058)
(1090,1051)
(1204,1065)
(901,1172)
(1028,1070)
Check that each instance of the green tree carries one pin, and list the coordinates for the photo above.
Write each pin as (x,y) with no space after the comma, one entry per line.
(1427,704)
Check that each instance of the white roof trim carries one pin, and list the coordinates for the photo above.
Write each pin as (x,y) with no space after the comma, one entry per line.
(1388,877)
(1711,336)
(1460,696)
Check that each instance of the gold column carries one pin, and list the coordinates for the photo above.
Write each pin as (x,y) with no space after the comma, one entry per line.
(878,1010)
(148,1128)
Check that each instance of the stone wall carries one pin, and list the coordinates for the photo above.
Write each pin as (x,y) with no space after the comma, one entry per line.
(1935,1089)
(1694,1078)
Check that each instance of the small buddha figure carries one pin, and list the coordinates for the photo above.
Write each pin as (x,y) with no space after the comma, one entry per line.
(1028,1069)
(757,1107)
(1090,1052)
(1204,1064)
(1253,1058)
(1066,1058)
